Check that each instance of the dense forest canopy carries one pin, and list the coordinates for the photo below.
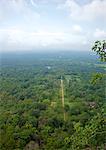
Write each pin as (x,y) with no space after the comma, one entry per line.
(31,112)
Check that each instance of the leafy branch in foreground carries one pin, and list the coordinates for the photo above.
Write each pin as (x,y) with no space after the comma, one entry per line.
(100,48)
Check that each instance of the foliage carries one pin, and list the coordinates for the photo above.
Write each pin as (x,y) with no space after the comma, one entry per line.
(100,48)
(31,112)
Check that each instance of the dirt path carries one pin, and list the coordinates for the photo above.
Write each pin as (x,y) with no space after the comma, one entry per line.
(62,98)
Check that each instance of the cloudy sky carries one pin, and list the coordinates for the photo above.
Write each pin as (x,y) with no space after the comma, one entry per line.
(27,25)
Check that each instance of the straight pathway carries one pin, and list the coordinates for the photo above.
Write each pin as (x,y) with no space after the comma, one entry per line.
(62,98)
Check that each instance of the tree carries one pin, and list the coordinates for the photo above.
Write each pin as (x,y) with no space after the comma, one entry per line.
(91,136)
(100,48)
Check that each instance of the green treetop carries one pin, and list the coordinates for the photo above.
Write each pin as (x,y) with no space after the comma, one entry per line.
(100,48)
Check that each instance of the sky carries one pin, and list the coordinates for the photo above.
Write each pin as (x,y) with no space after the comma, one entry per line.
(51,25)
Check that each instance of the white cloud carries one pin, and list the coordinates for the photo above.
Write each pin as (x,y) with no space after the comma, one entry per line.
(33,3)
(44,2)
(100,34)
(17,8)
(96,9)
(23,28)
(17,39)
(77,29)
